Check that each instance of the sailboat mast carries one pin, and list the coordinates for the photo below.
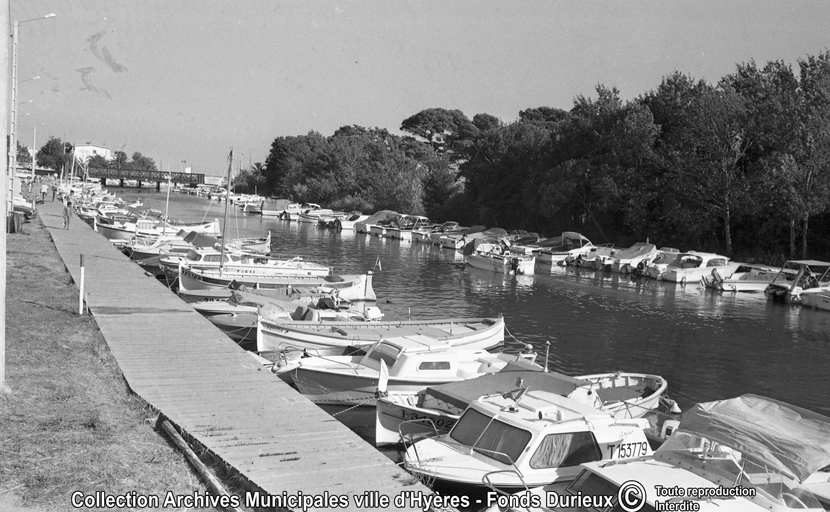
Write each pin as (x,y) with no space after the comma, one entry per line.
(167,204)
(227,201)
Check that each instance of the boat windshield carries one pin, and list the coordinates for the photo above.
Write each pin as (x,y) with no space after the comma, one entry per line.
(589,483)
(490,437)
(719,463)
(688,261)
(565,450)
(384,352)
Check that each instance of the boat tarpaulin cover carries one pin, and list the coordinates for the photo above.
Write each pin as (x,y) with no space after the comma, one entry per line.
(461,393)
(379,216)
(277,205)
(202,240)
(787,437)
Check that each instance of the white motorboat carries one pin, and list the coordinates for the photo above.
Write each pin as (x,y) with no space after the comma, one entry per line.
(626,260)
(475,333)
(597,257)
(747,278)
(349,222)
(816,298)
(311,213)
(411,363)
(211,262)
(439,407)
(150,227)
(364,226)
(557,249)
(407,225)
(276,207)
(497,257)
(797,276)
(525,438)
(658,265)
(746,454)
(447,228)
(690,267)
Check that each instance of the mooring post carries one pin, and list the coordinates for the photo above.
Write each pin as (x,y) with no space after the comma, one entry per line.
(81,294)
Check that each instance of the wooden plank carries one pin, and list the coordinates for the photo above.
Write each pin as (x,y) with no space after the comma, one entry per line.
(209,387)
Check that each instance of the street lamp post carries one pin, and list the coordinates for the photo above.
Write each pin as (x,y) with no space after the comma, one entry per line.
(12,159)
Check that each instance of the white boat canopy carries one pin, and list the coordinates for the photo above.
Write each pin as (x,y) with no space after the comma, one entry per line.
(792,439)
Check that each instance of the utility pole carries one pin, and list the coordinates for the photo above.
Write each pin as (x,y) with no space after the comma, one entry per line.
(4,118)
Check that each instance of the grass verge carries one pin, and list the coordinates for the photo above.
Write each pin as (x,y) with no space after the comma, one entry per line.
(70,423)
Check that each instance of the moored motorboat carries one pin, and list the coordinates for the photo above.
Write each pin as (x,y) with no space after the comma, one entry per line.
(626,260)
(746,454)
(597,257)
(524,438)
(658,265)
(438,407)
(348,286)
(476,333)
(557,249)
(691,266)
(746,278)
(497,257)
(406,363)
(795,277)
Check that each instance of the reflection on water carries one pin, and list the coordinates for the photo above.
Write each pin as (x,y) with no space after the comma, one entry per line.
(708,345)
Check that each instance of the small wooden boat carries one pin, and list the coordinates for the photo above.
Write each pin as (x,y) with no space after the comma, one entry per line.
(406,364)
(477,333)
(195,286)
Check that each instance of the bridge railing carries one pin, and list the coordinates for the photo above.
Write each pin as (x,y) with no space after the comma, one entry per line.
(144,175)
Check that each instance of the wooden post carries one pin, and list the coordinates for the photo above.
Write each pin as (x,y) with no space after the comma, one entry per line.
(212,482)
(81,293)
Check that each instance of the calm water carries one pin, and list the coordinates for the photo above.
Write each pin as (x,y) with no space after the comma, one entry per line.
(709,346)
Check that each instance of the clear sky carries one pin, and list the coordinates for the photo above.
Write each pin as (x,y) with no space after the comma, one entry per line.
(186,80)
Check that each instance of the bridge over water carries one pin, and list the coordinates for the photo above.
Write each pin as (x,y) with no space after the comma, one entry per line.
(143,176)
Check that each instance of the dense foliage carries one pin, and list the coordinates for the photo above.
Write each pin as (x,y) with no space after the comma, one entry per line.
(739,167)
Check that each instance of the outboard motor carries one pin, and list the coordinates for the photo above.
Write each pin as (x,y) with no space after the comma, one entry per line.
(514,265)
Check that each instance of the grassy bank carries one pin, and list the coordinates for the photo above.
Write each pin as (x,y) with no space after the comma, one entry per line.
(70,424)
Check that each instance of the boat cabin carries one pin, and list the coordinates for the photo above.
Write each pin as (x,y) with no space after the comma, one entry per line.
(427,358)
(525,438)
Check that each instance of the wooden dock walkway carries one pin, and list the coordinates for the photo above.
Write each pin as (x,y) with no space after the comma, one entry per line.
(215,392)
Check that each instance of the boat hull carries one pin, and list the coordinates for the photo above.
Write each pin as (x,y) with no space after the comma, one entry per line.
(476,333)
(518,264)
(354,287)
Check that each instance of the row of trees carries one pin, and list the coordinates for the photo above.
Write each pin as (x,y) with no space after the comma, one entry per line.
(56,154)
(739,167)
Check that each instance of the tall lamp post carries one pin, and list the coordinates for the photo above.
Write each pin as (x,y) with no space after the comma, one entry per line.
(13,114)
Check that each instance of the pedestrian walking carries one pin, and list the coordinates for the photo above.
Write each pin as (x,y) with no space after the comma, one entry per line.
(44,189)
(67,208)
(54,191)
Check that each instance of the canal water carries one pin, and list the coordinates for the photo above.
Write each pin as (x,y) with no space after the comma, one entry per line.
(708,345)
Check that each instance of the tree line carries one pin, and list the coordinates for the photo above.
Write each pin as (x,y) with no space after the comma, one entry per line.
(56,154)
(738,167)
